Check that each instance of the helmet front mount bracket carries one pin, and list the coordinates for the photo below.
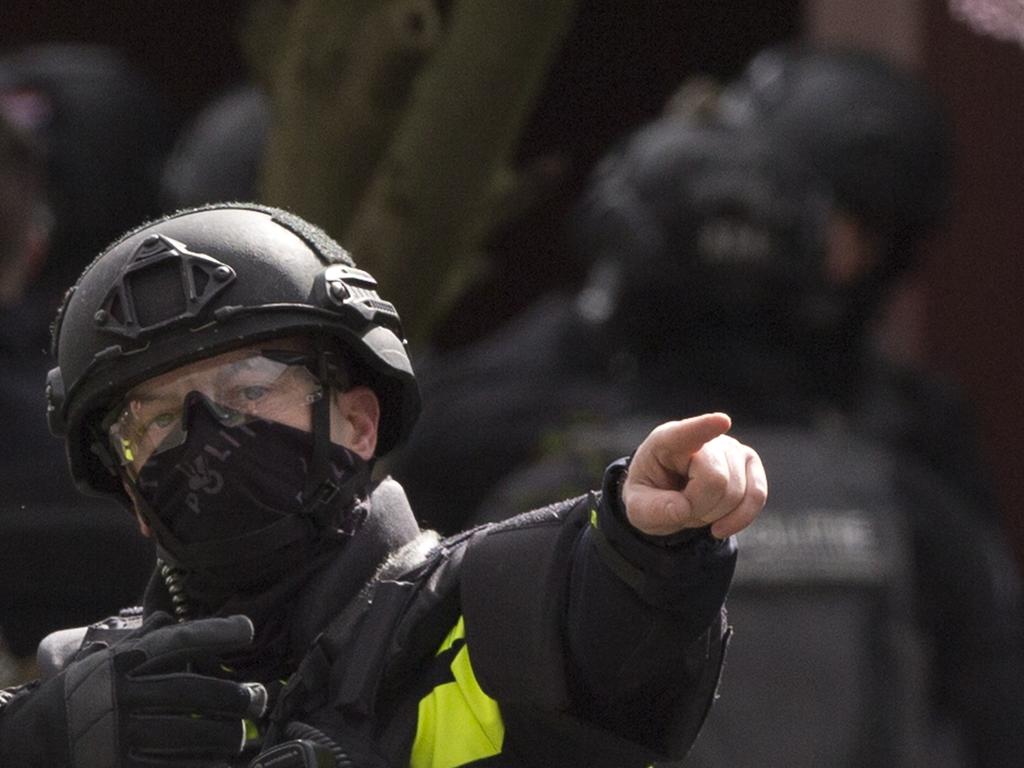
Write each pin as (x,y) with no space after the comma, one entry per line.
(186,281)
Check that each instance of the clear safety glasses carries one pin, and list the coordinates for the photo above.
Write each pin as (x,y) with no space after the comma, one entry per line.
(270,385)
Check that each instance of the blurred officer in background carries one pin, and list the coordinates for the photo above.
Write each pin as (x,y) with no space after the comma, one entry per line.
(218,154)
(882,142)
(84,137)
(730,274)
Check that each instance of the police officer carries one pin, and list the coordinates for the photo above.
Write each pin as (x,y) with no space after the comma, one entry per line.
(101,131)
(882,142)
(230,376)
(32,495)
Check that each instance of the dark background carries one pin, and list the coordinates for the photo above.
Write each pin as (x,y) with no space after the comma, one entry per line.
(962,312)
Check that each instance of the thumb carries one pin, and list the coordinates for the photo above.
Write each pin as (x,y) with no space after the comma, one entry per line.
(652,491)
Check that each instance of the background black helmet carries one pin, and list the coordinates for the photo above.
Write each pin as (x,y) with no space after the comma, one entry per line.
(218,155)
(199,282)
(875,132)
(105,130)
(691,224)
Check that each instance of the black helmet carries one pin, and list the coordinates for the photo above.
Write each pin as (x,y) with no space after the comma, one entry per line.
(691,223)
(105,129)
(199,282)
(876,134)
(218,155)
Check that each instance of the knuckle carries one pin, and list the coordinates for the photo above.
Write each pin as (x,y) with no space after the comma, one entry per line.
(717,479)
(759,494)
(733,495)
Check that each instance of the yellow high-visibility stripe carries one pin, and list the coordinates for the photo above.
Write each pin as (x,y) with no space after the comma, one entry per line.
(458,723)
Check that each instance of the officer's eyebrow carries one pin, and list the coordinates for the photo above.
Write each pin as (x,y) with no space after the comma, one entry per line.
(169,391)
(228,370)
(220,372)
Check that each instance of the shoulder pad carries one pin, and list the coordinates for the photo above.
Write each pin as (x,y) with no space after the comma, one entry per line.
(514,611)
(408,557)
(57,649)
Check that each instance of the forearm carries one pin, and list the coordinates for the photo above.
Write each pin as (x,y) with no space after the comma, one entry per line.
(644,625)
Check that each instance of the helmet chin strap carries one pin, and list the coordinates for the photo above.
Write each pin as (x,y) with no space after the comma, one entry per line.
(320,494)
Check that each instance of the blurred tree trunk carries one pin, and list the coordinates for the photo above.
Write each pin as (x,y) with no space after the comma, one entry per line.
(446,179)
(394,129)
(339,76)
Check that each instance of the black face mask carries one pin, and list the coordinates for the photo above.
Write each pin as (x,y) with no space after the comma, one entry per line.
(228,502)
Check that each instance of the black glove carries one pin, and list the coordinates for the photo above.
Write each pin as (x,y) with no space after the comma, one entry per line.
(137,704)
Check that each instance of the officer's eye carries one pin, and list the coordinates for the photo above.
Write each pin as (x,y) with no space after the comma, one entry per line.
(254,392)
(163,420)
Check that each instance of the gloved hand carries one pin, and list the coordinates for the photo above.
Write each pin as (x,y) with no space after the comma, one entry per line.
(137,704)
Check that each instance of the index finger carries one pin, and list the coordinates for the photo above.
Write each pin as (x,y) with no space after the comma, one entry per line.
(674,443)
(195,638)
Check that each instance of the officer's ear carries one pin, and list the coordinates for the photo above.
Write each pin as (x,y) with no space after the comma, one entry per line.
(355,419)
(852,250)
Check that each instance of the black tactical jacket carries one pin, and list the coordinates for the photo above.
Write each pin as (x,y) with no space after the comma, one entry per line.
(559,638)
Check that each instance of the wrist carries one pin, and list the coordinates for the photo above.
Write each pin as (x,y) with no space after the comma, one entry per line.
(680,557)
